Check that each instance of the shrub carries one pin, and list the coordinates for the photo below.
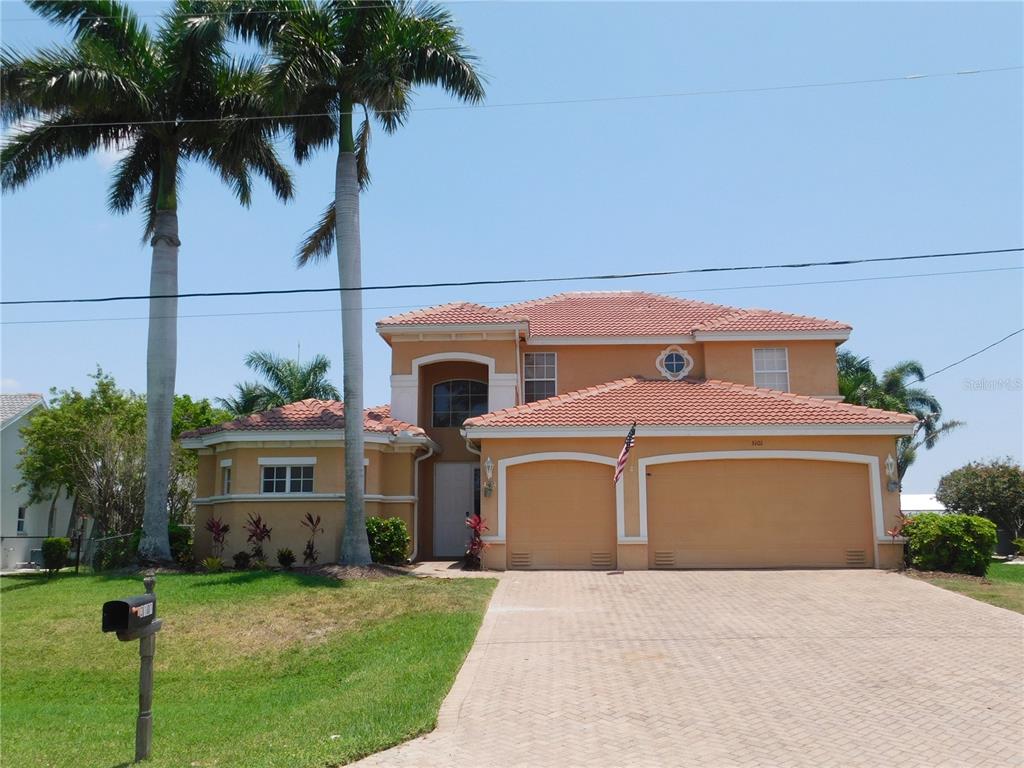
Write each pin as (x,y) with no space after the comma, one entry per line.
(389,540)
(992,489)
(218,532)
(213,565)
(957,543)
(55,553)
(242,560)
(312,523)
(477,545)
(115,553)
(181,544)
(258,532)
(286,558)
(1019,544)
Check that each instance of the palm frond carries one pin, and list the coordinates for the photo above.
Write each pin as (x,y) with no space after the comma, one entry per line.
(318,245)
(106,20)
(133,175)
(31,152)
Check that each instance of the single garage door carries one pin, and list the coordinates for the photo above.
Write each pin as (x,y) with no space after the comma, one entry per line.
(560,514)
(761,513)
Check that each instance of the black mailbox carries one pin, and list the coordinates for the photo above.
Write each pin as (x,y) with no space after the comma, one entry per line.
(129,613)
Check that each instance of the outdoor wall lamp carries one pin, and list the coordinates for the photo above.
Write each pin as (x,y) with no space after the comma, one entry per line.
(489,473)
(890,471)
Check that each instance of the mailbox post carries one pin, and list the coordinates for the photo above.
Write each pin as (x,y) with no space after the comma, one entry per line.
(134,618)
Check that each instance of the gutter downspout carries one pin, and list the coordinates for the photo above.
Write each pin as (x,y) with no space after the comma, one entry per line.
(519,375)
(416,504)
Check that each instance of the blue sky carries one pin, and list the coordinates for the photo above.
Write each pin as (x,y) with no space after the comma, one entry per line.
(891,169)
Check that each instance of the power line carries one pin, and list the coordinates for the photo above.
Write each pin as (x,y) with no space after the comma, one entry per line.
(512,280)
(514,301)
(973,354)
(547,102)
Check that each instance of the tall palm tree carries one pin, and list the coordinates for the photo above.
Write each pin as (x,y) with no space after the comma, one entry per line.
(896,390)
(119,86)
(329,58)
(288,381)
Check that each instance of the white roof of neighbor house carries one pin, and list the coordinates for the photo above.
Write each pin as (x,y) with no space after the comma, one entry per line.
(14,405)
(920,502)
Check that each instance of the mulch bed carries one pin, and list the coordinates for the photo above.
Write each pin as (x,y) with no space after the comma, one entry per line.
(943,575)
(374,571)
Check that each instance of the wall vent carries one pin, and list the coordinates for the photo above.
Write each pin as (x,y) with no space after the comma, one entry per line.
(521,559)
(601,560)
(664,559)
(856,558)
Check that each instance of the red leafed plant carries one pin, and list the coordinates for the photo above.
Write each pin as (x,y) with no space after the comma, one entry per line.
(258,532)
(312,523)
(899,527)
(218,530)
(477,545)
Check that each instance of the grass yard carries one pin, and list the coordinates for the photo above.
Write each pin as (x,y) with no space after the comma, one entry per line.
(252,669)
(1002,586)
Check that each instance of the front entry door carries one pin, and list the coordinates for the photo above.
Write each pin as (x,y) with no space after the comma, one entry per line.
(456,497)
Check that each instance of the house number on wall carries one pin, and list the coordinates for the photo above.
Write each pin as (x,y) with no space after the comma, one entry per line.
(757,443)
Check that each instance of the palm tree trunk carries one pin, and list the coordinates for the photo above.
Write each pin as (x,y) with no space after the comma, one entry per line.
(161,362)
(355,546)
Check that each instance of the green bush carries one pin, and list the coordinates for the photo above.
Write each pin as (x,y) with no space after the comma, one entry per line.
(213,565)
(286,558)
(1019,544)
(956,543)
(242,560)
(55,553)
(389,540)
(115,553)
(181,544)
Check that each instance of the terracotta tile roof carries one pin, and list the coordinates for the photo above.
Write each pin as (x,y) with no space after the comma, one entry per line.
(13,405)
(657,402)
(310,414)
(461,312)
(616,313)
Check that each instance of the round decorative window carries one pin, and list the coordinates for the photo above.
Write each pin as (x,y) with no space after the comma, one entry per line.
(674,363)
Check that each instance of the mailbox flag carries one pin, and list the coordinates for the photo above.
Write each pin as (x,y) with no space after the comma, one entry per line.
(620,465)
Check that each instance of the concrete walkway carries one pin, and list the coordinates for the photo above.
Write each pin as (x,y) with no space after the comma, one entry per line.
(733,668)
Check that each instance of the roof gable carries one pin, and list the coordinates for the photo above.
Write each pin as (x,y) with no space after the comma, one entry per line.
(15,405)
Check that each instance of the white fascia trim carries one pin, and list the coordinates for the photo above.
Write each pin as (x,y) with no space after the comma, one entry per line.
(307,435)
(225,462)
(504,464)
(566,341)
(232,497)
(872,462)
(286,461)
(771,335)
(413,330)
(739,430)
(453,356)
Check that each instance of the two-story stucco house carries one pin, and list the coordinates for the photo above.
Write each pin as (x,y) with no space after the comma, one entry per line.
(744,454)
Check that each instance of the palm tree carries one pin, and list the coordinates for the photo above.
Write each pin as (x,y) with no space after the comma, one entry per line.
(164,98)
(895,390)
(329,58)
(288,381)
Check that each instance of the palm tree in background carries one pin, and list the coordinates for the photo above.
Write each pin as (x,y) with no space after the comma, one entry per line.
(118,86)
(896,390)
(328,59)
(287,381)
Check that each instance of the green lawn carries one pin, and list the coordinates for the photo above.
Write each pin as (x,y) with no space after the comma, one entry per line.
(252,669)
(1003,585)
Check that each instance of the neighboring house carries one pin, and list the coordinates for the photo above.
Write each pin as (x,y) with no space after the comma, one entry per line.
(23,526)
(916,503)
(744,454)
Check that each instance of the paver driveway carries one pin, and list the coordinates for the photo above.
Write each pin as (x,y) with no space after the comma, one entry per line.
(735,668)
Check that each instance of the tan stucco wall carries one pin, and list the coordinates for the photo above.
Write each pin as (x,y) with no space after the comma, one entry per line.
(812,364)
(878,447)
(586,365)
(404,352)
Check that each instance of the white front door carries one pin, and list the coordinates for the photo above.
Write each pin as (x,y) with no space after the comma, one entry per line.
(456,497)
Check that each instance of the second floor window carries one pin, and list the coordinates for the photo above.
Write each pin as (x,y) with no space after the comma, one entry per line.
(298,479)
(539,376)
(771,369)
(22,512)
(225,480)
(457,400)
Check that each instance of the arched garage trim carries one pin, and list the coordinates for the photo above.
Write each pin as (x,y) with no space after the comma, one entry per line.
(872,463)
(594,458)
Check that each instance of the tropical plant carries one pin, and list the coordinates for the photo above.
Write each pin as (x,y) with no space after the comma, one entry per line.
(477,545)
(389,539)
(55,553)
(329,59)
(993,489)
(164,98)
(257,533)
(219,531)
(896,390)
(241,559)
(288,381)
(213,565)
(311,523)
(956,543)
(285,558)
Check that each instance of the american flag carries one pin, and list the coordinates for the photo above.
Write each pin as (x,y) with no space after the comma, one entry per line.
(620,465)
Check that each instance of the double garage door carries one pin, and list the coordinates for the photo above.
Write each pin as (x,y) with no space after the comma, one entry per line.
(758,513)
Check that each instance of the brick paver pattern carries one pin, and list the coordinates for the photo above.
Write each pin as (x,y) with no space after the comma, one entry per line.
(732,668)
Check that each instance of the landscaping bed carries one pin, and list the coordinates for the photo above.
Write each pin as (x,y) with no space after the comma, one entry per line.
(253,668)
(1002,585)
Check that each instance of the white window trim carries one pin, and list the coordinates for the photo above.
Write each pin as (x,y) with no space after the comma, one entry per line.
(555,355)
(287,481)
(287,461)
(504,464)
(677,350)
(436,384)
(225,463)
(21,522)
(225,479)
(753,357)
(873,464)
